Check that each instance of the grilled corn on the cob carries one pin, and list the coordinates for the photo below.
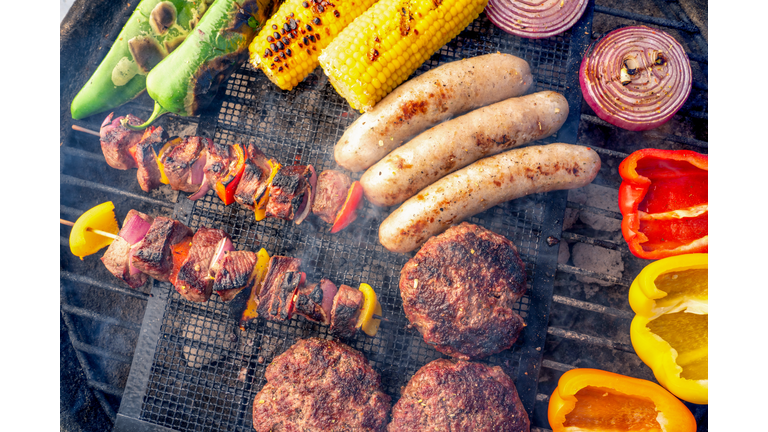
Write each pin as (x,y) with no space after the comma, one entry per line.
(286,49)
(386,44)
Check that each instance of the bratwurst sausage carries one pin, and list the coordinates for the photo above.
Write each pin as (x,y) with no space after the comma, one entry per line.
(422,102)
(484,184)
(457,143)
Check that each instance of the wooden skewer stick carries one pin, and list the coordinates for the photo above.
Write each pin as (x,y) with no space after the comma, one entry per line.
(82,129)
(95,231)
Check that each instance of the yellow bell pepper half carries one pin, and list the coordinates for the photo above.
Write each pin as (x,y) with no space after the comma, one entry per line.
(84,242)
(669,331)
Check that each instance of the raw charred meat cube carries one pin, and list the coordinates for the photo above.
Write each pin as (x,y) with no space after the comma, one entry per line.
(153,253)
(254,182)
(272,296)
(192,281)
(345,310)
(288,192)
(234,272)
(332,188)
(146,159)
(118,143)
(184,163)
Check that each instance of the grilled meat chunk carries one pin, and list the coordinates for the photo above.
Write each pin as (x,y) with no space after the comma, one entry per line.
(332,188)
(345,311)
(153,253)
(234,272)
(148,174)
(315,301)
(255,180)
(192,281)
(184,163)
(455,395)
(274,301)
(118,143)
(321,385)
(289,192)
(117,257)
(459,290)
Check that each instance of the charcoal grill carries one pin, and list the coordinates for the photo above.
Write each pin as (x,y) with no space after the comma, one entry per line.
(158,362)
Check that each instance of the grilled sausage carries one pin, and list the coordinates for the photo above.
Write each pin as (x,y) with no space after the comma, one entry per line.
(484,184)
(424,101)
(457,143)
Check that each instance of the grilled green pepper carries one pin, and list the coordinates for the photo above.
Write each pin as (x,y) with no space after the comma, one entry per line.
(152,32)
(187,80)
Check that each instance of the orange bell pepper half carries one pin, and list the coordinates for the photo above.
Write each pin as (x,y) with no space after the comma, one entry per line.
(664,200)
(596,400)
(227,187)
(348,212)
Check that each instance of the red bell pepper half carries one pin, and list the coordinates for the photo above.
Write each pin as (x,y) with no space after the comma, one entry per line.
(348,212)
(226,187)
(663,197)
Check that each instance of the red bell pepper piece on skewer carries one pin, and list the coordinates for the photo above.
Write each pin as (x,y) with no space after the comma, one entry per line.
(226,187)
(348,212)
(664,200)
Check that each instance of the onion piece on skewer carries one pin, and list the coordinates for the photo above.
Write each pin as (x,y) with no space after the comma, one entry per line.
(535,19)
(636,77)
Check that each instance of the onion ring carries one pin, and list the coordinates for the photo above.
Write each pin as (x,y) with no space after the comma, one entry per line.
(636,77)
(535,19)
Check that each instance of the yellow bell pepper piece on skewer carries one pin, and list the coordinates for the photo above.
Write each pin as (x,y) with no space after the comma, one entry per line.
(83,240)
(371,306)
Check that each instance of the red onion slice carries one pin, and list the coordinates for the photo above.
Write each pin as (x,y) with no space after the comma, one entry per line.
(224,245)
(135,229)
(309,198)
(131,269)
(535,19)
(205,186)
(647,98)
(329,292)
(197,171)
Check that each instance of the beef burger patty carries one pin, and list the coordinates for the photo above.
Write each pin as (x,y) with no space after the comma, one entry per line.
(455,395)
(321,385)
(459,289)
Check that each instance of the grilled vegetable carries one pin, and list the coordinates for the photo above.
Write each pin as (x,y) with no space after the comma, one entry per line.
(260,208)
(226,187)
(348,211)
(152,32)
(596,400)
(664,200)
(83,241)
(387,43)
(187,80)
(371,306)
(669,330)
(286,49)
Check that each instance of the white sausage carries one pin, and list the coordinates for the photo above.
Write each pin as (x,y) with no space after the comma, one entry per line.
(457,143)
(422,102)
(484,184)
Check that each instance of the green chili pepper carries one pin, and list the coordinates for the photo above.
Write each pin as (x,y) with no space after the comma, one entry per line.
(187,80)
(152,32)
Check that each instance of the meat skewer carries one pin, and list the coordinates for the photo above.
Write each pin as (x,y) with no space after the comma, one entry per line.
(238,173)
(199,263)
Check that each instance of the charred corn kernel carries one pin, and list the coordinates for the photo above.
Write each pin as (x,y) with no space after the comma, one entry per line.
(288,45)
(389,42)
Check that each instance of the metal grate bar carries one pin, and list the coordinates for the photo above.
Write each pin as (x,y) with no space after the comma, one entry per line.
(106,388)
(74,181)
(583,272)
(678,25)
(608,244)
(592,307)
(109,287)
(90,349)
(83,154)
(607,213)
(87,313)
(562,367)
(594,340)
